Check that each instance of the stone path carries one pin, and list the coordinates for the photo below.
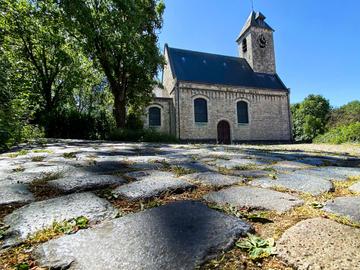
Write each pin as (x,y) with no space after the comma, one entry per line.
(188,188)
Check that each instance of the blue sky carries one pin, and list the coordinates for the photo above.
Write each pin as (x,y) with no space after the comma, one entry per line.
(317,43)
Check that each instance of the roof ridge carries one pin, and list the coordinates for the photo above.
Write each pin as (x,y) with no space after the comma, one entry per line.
(207,53)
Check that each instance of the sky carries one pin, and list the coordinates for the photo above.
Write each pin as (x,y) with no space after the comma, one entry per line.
(317,43)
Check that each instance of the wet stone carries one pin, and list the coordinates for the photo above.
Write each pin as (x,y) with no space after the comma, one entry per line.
(36,216)
(320,244)
(87,182)
(150,187)
(297,182)
(254,198)
(345,206)
(214,179)
(180,235)
(15,193)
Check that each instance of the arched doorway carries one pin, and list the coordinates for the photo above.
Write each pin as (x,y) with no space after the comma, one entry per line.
(223,130)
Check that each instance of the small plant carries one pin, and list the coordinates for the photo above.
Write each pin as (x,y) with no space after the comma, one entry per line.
(69,155)
(245,167)
(180,171)
(42,151)
(22,152)
(72,225)
(38,158)
(3,229)
(273,176)
(46,177)
(18,169)
(317,205)
(257,247)
(22,266)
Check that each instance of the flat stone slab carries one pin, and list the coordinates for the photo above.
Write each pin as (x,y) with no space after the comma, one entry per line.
(180,235)
(251,173)
(36,216)
(236,163)
(298,182)
(150,187)
(333,173)
(254,198)
(355,187)
(193,166)
(320,244)
(345,206)
(15,193)
(214,179)
(140,175)
(290,166)
(88,182)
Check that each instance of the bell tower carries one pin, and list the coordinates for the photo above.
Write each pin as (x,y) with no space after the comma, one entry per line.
(256,44)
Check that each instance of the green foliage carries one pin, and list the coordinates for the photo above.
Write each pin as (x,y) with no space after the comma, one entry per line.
(71,226)
(345,115)
(342,134)
(257,247)
(134,121)
(310,118)
(142,135)
(22,266)
(121,35)
(69,155)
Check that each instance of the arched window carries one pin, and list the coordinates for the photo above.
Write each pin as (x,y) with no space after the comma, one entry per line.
(154,117)
(242,112)
(244,45)
(200,107)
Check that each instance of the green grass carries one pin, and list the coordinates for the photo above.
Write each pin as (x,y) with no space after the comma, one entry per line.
(22,152)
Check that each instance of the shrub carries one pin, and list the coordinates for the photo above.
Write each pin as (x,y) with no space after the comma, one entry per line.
(342,134)
(141,135)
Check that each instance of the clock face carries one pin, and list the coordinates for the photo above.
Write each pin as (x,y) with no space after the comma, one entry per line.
(262,41)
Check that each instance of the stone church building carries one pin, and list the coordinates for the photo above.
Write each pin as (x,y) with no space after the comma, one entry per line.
(224,99)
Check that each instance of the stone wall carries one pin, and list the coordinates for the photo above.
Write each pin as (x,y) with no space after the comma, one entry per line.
(269,116)
(165,105)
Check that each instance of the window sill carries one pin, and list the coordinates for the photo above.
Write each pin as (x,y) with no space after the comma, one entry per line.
(243,124)
(201,124)
(155,127)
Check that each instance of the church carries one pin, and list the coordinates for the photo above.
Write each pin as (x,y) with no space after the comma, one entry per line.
(224,99)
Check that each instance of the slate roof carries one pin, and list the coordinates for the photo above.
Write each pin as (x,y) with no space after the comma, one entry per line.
(199,67)
(256,19)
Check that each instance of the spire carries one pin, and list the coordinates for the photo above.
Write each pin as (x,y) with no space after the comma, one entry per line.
(255,19)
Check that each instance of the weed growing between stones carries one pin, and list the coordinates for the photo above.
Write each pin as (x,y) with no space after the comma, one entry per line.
(22,152)
(69,155)
(38,158)
(19,256)
(41,190)
(257,247)
(43,151)
(18,169)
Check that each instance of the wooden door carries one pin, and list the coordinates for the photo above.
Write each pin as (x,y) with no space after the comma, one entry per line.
(223,130)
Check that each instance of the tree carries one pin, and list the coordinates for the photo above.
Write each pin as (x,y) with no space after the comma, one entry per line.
(121,35)
(345,115)
(36,42)
(310,117)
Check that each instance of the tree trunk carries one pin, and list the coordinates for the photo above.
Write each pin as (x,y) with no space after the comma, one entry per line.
(119,110)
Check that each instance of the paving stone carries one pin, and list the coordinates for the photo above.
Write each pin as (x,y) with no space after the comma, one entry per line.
(290,166)
(88,182)
(298,182)
(254,198)
(355,187)
(150,187)
(180,235)
(146,166)
(332,173)
(320,244)
(15,193)
(345,206)
(36,216)
(250,173)
(236,163)
(193,166)
(106,166)
(314,161)
(214,179)
(139,175)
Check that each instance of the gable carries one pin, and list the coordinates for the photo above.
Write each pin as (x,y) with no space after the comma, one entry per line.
(199,67)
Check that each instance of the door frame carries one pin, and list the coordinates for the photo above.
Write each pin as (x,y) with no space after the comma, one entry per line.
(217,133)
